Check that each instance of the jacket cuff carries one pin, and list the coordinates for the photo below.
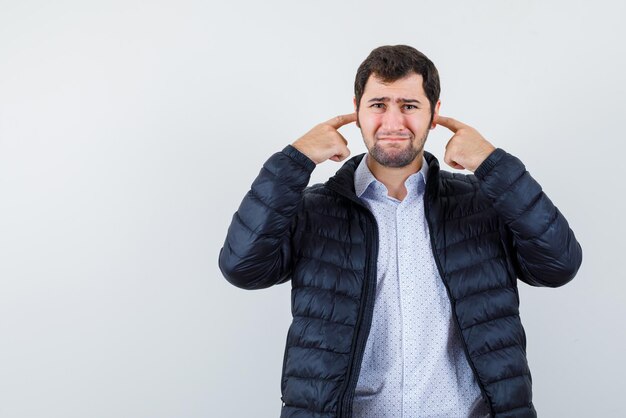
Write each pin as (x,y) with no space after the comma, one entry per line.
(293,153)
(485,167)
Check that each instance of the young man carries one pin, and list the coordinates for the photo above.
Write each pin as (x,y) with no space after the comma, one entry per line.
(405,301)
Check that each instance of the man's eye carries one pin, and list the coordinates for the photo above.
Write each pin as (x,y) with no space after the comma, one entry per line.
(378,105)
(410,107)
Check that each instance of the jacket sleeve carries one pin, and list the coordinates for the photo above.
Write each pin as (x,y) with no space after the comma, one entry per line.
(545,249)
(257,250)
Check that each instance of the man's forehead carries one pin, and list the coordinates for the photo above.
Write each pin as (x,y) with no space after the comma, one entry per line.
(408,85)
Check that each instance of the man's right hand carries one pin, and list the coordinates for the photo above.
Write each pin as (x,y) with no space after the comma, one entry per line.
(323,142)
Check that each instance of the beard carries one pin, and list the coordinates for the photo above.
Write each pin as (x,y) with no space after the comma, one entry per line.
(396,157)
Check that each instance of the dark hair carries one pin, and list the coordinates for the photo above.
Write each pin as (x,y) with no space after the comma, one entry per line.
(393,62)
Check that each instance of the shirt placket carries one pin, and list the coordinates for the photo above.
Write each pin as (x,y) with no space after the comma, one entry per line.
(404,291)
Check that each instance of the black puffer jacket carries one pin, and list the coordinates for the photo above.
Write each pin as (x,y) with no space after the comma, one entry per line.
(486,229)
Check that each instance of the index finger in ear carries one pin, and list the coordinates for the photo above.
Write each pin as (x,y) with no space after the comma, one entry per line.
(339,121)
(452,124)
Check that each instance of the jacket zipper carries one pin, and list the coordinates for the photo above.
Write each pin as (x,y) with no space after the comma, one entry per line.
(452,304)
(362,329)
(366,311)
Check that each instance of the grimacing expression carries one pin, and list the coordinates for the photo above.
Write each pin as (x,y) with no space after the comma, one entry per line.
(395,119)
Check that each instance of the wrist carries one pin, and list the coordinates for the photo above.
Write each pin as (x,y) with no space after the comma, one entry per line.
(296,154)
(484,155)
(305,152)
(485,167)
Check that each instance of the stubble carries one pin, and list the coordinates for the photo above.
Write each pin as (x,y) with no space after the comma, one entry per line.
(395,158)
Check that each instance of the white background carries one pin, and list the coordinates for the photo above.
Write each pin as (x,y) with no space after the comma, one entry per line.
(130,131)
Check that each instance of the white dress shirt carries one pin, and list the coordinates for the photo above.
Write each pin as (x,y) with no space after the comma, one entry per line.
(414,364)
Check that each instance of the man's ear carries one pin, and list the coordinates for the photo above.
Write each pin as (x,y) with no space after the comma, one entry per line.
(433,124)
(357,115)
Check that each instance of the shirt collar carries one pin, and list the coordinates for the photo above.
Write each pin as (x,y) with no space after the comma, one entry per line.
(363,177)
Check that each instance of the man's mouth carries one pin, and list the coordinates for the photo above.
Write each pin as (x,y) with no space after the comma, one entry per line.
(393,138)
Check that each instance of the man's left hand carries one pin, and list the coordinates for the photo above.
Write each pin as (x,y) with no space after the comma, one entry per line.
(467,148)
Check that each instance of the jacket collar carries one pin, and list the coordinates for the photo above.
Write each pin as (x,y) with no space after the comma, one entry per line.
(343,181)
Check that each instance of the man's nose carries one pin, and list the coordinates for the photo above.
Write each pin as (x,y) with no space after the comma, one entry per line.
(393,120)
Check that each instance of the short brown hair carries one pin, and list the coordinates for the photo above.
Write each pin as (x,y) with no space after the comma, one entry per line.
(393,62)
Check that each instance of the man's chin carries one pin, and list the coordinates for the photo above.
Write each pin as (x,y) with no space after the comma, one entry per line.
(394,158)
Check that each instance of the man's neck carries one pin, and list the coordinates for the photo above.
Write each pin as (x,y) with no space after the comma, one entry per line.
(394,178)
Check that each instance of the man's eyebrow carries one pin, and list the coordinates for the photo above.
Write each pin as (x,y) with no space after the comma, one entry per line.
(399,100)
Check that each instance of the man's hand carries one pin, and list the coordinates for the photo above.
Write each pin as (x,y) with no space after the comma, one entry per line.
(467,148)
(323,142)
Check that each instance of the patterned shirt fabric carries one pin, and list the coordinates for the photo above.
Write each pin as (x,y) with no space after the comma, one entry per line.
(414,364)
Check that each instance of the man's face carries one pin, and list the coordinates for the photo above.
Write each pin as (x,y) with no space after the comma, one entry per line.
(395,119)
